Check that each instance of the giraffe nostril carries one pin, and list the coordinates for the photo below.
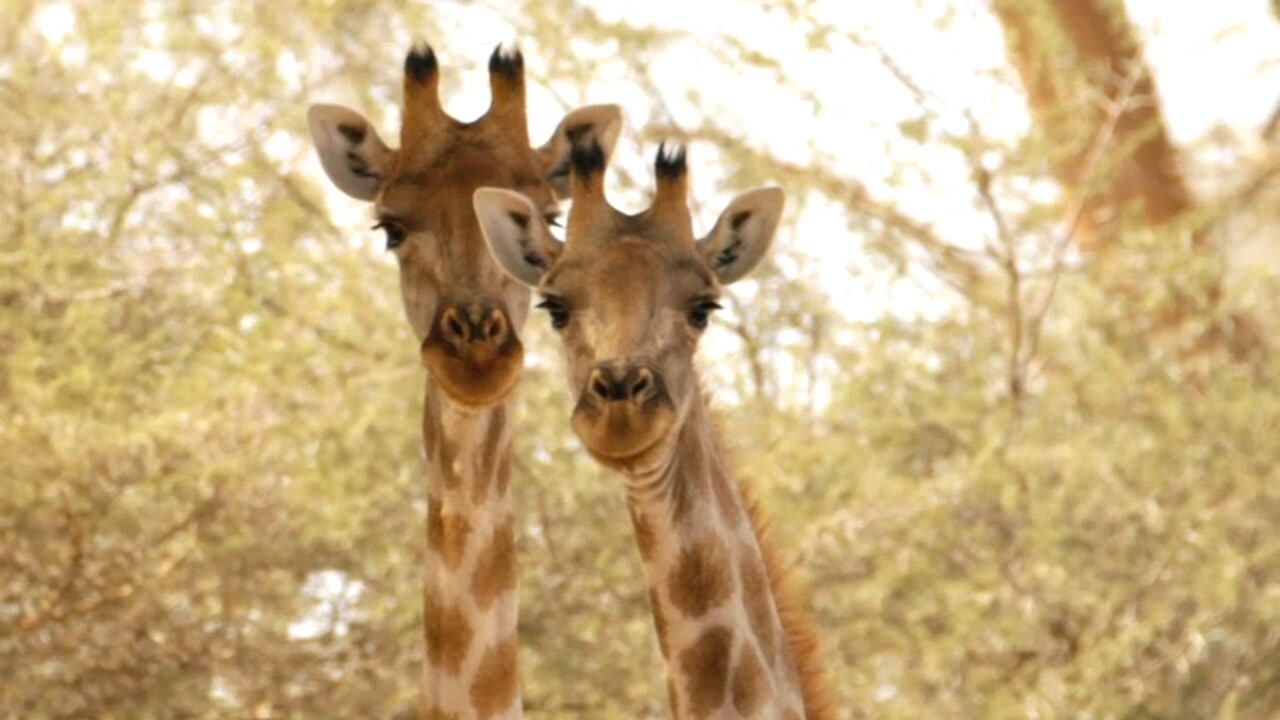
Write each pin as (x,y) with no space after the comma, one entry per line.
(454,329)
(496,325)
(640,384)
(600,386)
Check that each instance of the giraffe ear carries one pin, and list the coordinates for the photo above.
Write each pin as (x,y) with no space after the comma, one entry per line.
(743,233)
(602,121)
(516,233)
(353,155)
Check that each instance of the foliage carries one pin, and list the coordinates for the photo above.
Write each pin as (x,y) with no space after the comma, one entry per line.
(209,401)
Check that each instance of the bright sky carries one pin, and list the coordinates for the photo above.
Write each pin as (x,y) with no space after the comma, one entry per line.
(1215,64)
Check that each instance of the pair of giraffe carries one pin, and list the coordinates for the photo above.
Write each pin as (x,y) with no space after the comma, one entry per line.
(466,208)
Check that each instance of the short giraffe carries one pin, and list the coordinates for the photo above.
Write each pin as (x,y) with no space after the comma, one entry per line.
(466,314)
(630,295)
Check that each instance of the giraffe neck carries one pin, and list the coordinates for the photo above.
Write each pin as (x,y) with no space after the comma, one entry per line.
(718,623)
(469,591)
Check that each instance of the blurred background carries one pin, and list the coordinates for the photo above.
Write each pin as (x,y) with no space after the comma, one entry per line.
(1008,383)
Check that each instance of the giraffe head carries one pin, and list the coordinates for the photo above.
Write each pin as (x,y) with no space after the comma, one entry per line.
(629,295)
(465,311)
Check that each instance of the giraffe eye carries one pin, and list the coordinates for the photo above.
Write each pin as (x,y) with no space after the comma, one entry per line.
(395,233)
(701,312)
(556,309)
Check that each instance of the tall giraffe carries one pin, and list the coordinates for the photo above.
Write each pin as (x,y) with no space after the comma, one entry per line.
(630,295)
(467,315)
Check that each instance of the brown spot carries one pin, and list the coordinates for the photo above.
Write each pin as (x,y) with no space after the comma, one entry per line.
(751,686)
(757,596)
(432,435)
(495,567)
(702,578)
(706,670)
(660,622)
(645,539)
(448,635)
(436,713)
(447,534)
(494,688)
(793,714)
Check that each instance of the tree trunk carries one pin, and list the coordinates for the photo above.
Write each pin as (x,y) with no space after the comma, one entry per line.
(1092,95)
(1077,58)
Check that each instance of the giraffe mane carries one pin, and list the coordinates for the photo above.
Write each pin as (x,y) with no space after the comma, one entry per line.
(791,597)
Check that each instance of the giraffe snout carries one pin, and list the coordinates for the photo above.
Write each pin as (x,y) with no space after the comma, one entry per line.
(472,352)
(610,383)
(471,327)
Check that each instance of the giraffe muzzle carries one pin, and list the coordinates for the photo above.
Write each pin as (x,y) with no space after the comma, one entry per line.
(623,410)
(473,353)
(636,384)
(472,327)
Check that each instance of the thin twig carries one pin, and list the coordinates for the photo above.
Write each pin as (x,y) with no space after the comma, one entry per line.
(1013,293)
(1094,158)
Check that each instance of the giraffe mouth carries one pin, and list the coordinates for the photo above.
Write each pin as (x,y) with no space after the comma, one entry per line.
(475,380)
(619,432)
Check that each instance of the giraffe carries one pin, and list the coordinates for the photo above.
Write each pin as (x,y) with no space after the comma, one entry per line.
(629,296)
(466,315)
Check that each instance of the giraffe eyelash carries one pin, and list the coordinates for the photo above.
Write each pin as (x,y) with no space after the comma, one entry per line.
(395,232)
